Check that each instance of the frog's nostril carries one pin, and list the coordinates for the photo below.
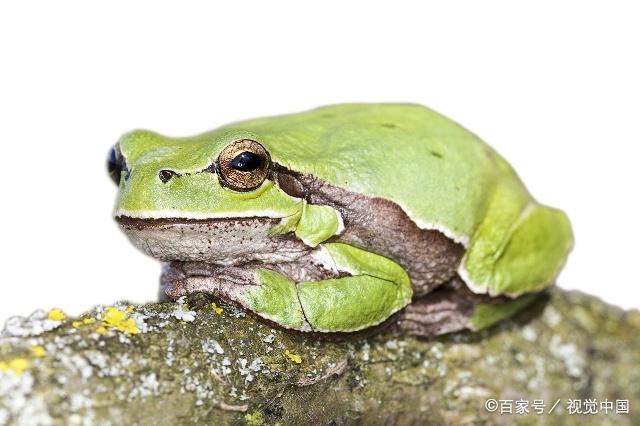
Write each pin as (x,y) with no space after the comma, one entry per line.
(166,175)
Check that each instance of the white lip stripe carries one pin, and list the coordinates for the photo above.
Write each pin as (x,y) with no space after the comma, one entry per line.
(170,214)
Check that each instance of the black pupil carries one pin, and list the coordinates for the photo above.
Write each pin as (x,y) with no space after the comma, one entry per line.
(246,162)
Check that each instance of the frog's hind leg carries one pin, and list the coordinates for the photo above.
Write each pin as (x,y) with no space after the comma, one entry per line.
(518,249)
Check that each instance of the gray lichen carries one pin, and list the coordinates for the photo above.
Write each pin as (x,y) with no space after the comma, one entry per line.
(195,362)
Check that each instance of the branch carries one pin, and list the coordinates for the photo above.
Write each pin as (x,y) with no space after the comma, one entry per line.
(198,363)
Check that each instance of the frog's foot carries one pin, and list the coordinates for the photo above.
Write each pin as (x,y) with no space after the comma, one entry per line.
(363,290)
(442,311)
(265,292)
(453,307)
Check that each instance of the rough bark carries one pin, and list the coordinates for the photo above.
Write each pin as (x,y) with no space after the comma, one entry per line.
(171,364)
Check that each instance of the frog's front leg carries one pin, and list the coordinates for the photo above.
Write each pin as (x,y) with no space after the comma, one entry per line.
(373,289)
(368,289)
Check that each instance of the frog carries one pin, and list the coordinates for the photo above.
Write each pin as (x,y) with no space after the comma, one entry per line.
(341,219)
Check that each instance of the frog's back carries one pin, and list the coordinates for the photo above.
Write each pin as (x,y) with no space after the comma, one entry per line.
(439,173)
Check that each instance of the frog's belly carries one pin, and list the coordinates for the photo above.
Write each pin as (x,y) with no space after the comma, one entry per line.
(219,241)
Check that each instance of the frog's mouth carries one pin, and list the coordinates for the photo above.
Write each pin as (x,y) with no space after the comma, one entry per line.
(220,241)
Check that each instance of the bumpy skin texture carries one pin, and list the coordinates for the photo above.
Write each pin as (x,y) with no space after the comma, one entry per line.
(441,205)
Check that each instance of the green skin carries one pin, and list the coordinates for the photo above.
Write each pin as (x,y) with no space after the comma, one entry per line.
(441,175)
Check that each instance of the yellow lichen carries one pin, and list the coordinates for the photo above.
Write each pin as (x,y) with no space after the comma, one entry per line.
(115,318)
(16,365)
(293,357)
(84,321)
(217,309)
(56,315)
(38,351)
(101,330)
(130,308)
(254,419)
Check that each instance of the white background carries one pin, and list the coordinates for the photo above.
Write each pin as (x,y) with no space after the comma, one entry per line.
(553,86)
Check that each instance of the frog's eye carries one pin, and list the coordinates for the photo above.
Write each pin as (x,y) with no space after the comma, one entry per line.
(115,164)
(243,165)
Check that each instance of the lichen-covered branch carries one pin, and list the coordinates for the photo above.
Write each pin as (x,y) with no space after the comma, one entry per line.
(198,362)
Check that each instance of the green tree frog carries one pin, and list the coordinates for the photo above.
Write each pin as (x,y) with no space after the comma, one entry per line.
(340,219)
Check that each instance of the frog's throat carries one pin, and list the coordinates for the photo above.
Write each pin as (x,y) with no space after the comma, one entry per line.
(228,241)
